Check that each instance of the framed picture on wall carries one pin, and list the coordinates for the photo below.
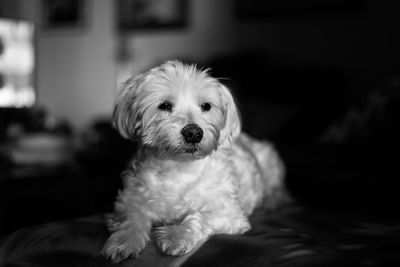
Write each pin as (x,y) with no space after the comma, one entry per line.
(259,9)
(151,14)
(63,14)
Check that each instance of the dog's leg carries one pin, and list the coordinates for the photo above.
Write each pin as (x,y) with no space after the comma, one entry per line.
(129,237)
(180,239)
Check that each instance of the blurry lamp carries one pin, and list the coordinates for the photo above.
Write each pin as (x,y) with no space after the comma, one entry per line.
(17,64)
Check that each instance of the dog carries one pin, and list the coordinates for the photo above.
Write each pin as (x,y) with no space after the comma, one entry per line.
(195,173)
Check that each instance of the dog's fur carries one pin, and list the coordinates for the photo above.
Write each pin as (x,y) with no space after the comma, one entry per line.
(187,191)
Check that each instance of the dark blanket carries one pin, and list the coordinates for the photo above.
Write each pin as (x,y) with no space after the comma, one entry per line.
(295,236)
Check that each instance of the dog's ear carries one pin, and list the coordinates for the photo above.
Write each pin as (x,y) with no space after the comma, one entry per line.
(232,124)
(126,118)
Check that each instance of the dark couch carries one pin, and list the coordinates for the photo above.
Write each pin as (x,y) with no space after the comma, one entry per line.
(295,236)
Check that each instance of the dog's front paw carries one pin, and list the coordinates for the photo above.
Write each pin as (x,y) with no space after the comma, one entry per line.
(121,245)
(176,240)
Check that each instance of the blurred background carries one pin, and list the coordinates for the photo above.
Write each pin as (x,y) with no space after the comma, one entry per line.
(319,78)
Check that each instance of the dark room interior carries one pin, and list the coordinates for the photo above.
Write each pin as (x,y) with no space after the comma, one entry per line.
(319,79)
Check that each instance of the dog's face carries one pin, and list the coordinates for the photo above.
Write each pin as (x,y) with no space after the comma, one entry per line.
(177,111)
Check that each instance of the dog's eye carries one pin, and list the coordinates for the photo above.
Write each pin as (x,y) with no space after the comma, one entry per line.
(165,106)
(205,106)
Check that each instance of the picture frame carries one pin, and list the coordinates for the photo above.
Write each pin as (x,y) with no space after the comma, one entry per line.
(151,15)
(63,14)
(259,9)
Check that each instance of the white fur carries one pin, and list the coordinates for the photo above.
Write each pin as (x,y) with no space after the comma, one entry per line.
(187,192)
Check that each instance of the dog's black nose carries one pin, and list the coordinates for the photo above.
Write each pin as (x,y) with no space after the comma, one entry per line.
(192,133)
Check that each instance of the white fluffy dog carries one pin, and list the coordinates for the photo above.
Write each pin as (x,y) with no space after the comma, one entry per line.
(195,173)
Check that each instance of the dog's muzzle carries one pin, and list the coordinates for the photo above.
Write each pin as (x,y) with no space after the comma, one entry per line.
(192,133)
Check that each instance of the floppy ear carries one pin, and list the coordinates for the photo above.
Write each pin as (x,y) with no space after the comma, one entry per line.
(126,118)
(232,124)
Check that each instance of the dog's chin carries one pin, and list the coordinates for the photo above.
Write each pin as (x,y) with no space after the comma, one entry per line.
(189,153)
(184,152)
(193,152)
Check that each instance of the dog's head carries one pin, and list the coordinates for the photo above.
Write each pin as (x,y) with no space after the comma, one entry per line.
(177,111)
